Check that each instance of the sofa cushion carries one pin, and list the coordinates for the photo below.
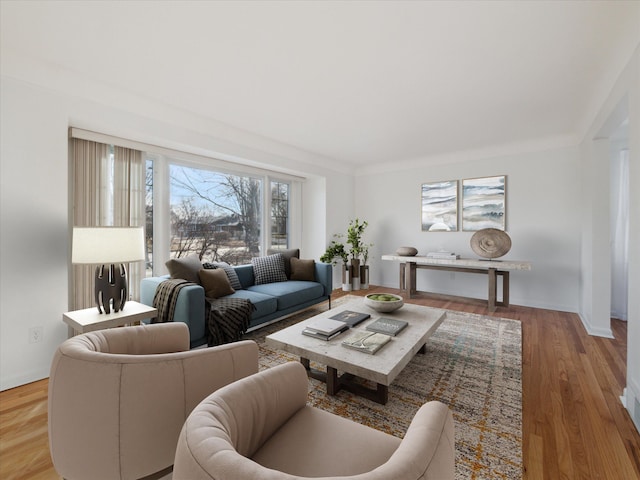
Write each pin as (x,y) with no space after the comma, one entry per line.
(186,268)
(265,304)
(269,269)
(291,293)
(303,270)
(288,255)
(215,283)
(234,281)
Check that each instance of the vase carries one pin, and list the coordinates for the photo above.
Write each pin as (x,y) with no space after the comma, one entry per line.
(364,277)
(346,278)
(355,273)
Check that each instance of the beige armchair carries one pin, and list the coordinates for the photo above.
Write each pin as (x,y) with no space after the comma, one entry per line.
(118,398)
(260,428)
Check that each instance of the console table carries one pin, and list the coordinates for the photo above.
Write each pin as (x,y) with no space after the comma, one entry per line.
(492,268)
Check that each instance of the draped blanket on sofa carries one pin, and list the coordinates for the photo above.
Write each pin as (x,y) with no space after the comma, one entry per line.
(228,319)
(166,297)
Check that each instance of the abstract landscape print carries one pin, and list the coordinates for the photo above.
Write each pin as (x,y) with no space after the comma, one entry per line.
(440,206)
(484,203)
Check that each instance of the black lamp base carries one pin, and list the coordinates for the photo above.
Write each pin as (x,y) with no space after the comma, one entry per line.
(111,287)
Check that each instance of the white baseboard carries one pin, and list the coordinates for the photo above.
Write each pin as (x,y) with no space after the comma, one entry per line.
(23,379)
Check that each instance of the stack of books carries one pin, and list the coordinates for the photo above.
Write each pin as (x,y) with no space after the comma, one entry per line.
(443,255)
(350,317)
(325,328)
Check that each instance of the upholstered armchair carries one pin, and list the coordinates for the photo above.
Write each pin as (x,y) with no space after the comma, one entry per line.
(118,398)
(260,427)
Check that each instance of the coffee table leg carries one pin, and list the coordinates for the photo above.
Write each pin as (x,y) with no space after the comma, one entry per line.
(332,381)
(423,349)
(382,392)
(305,363)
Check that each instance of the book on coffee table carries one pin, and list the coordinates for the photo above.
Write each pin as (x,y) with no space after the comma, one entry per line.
(388,326)
(326,326)
(367,342)
(322,336)
(350,317)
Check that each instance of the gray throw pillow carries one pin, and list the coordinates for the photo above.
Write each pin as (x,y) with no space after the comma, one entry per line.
(186,268)
(269,269)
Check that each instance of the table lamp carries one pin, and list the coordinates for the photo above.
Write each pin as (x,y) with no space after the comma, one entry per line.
(108,245)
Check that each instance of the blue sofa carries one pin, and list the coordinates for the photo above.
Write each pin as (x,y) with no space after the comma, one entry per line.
(272,300)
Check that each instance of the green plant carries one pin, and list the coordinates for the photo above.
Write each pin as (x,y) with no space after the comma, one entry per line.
(335,250)
(356,248)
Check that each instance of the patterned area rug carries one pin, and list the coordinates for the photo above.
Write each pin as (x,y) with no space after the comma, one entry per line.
(472,364)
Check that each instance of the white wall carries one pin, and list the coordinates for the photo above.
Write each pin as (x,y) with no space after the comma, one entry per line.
(543,222)
(34,224)
(623,101)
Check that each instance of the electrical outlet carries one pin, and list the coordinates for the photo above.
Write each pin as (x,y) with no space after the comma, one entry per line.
(36,334)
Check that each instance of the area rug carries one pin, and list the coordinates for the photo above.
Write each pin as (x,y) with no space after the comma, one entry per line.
(472,364)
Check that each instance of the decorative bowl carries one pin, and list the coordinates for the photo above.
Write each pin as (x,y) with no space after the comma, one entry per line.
(407,251)
(383,302)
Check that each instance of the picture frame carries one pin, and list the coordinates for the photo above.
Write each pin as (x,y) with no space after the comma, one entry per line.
(439,206)
(484,203)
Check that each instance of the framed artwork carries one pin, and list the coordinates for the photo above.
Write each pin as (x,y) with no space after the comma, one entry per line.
(440,206)
(484,203)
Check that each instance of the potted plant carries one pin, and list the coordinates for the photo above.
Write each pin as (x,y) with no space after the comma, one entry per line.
(352,250)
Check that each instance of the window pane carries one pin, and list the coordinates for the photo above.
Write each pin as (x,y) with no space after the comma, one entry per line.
(149,216)
(279,215)
(214,215)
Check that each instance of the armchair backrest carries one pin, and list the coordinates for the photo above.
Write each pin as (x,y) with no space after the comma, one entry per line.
(118,398)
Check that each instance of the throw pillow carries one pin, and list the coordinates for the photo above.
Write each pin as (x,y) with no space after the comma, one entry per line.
(303,270)
(288,255)
(234,280)
(269,269)
(186,268)
(215,282)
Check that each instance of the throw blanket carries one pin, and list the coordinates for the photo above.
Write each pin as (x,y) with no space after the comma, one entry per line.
(228,319)
(166,297)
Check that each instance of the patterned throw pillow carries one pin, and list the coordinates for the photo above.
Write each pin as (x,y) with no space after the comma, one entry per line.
(288,255)
(303,270)
(269,269)
(229,270)
(215,283)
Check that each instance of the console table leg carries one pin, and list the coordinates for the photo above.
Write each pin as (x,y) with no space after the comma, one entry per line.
(505,288)
(410,279)
(493,290)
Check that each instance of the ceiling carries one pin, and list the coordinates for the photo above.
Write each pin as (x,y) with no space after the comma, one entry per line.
(359,82)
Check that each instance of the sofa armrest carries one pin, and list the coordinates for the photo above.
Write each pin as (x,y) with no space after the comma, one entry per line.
(324,275)
(189,306)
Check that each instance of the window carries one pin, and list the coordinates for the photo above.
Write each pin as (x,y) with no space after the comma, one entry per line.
(217,215)
(279,214)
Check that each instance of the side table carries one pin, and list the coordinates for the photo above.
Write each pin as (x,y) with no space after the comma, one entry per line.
(89,319)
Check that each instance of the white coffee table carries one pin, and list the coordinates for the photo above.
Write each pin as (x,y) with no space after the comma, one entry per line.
(381,368)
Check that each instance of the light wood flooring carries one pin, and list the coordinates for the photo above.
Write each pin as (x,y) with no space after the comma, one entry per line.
(574,426)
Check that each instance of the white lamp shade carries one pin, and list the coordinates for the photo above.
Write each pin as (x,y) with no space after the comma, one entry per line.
(104,245)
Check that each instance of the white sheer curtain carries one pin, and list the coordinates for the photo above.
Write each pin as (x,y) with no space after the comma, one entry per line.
(107,191)
(619,235)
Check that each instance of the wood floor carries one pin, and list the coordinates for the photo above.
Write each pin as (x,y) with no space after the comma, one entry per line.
(574,426)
